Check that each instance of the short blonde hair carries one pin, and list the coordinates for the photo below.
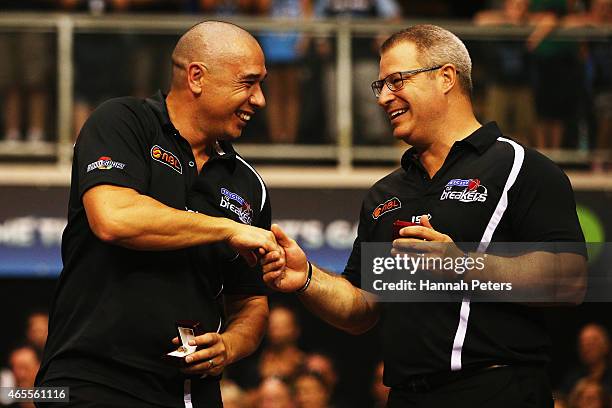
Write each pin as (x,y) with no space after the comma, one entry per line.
(436,46)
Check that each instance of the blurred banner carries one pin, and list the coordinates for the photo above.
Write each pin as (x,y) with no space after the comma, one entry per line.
(323,221)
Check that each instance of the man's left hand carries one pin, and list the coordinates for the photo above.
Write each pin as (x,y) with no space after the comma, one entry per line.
(213,357)
(425,239)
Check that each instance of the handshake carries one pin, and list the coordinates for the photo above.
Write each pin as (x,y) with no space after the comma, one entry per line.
(284,264)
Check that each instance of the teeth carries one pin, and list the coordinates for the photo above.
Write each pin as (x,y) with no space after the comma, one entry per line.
(244,116)
(397,113)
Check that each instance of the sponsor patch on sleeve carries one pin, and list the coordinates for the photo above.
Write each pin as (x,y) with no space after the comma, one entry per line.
(105,163)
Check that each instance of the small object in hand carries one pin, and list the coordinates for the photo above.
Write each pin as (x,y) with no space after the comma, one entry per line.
(187,331)
(398,225)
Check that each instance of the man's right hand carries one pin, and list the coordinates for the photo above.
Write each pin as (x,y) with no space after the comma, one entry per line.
(286,271)
(248,241)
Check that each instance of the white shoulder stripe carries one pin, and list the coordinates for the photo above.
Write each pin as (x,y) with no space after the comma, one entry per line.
(263,186)
(519,157)
(500,209)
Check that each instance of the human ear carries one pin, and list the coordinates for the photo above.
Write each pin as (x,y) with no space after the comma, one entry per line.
(449,77)
(195,77)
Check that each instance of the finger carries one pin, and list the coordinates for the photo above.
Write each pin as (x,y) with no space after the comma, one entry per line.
(202,355)
(274,266)
(282,238)
(207,339)
(270,277)
(409,243)
(270,257)
(419,232)
(176,341)
(208,353)
(424,220)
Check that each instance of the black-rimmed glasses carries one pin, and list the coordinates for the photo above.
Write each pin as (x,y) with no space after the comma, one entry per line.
(395,81)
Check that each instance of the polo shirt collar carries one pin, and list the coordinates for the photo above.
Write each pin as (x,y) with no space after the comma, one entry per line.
(483,138)
(223,149)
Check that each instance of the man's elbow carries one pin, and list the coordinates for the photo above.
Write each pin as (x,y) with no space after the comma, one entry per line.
(107,229)
(574,292)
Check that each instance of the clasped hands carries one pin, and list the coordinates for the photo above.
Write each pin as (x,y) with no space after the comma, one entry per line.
(286,269)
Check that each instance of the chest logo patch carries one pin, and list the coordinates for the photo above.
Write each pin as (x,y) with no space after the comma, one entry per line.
(105,163)
(389,205)
(237,205)
(464,190)
(167,158)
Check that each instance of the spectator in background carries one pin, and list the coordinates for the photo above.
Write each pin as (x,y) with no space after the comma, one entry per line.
(371,125)
(24,363)
(509,99)
(25,69)
(599,68)
(558,81)
(231,394)
(223,7)
(594,354)
(380,391)
(37,330)
(281,356)
(98,58)
(589,393)
(274,392)
(311,391)
(284,52)
(323,365)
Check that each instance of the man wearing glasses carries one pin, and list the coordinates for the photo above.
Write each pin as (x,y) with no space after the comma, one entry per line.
(462,182)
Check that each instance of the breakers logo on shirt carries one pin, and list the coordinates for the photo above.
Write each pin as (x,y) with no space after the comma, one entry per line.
(167,158)
(389,205)
(243,210)
(464,190)
(105,163)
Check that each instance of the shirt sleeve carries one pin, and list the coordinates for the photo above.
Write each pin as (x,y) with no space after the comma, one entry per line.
(542,206)
(241,279)
(111,149)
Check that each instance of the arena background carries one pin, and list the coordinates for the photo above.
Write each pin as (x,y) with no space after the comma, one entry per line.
(316,183)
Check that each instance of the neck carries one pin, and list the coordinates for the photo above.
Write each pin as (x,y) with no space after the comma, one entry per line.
(453,127)
(182,115)
(597,369)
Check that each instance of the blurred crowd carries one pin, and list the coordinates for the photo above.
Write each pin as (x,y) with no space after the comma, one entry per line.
(282,375)
(549,92)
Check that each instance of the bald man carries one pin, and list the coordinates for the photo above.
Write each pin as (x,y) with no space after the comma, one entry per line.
(164,222)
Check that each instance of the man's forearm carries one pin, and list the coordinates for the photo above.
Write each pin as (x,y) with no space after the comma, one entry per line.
(248,318)
(124,217)
(335,300)
(556,277)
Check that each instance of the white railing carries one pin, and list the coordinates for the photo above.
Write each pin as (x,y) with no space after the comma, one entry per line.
(343,152)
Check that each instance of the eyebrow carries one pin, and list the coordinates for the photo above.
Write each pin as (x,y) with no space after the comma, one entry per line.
(254,77)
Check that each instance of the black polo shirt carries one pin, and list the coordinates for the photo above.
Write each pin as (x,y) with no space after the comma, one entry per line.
(489,189)
(114,311)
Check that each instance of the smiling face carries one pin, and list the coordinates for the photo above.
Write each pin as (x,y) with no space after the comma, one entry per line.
(231,92)
(415,109)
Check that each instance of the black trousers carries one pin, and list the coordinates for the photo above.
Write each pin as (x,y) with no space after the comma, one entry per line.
(501,387)
(83,394)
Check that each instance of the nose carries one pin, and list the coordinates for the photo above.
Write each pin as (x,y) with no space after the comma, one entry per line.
(257,98)
(385,96)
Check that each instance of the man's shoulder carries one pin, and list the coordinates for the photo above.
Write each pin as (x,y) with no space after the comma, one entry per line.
(120,107)
(388,181)
(538,166)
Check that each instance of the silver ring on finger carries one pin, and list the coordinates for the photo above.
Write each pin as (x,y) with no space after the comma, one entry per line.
(211,363)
